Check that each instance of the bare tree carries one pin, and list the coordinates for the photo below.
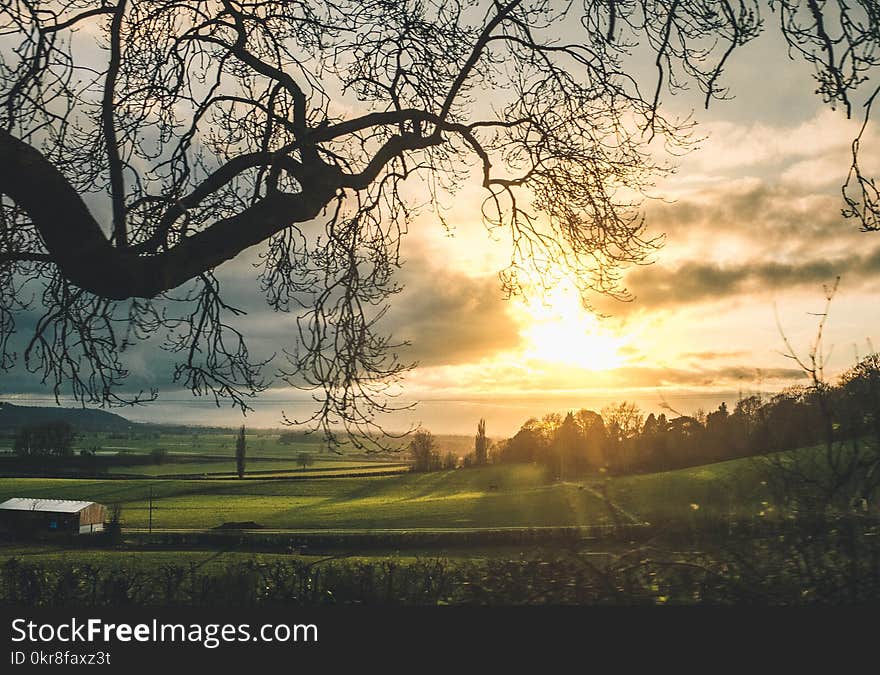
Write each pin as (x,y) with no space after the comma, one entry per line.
(201,129)
(424,452)
(624,418)
(845,473)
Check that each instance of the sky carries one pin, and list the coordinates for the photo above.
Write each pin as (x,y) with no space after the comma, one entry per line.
(752,229)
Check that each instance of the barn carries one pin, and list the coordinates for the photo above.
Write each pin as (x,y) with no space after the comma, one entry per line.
(24,515)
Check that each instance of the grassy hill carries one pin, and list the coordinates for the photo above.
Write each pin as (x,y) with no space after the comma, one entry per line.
(84,420)
(735,488)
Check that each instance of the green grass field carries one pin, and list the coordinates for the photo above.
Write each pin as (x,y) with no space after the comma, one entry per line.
(260,443)
(734,488)
(462,498)
(349,519)
(488,497)
(210,452)
(263,466)
(446,499)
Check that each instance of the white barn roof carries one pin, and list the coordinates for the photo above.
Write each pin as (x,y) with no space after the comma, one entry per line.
(47,505)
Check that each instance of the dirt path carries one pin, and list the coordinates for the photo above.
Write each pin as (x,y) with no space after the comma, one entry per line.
(628,517)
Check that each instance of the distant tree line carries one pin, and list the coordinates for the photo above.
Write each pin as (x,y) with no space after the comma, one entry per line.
(622,440)
(43,440)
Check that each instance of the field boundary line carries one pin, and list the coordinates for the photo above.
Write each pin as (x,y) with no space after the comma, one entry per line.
(634,520)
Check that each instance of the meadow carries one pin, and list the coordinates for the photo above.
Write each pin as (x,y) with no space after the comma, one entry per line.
(197,453)
(486,497)
(445,499)
(197,441)
(265,467)
(261,444)
(735,490)
(508,534)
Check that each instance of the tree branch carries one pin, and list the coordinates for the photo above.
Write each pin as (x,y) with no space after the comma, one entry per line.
(84,255)
(111,144)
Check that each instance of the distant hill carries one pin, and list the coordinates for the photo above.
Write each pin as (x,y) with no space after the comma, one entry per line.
(82,419)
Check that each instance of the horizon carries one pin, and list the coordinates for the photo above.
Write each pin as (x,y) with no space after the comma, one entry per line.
(441,417)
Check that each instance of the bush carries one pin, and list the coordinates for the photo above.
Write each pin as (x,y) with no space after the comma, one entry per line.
(113,527)
(800,566)
(159,455)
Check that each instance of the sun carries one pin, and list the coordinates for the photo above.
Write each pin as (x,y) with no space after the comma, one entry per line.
(557,329)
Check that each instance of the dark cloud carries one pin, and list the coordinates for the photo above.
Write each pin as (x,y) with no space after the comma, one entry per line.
(451,318)
(784,236)
(669,376)
(448,317)
(695,282)
(751,374)
(770,214)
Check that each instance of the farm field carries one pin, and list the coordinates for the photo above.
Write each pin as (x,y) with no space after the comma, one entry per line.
(446,499)
(196,453)
(735,488)
(261,443)
(465,535)
(261,466)
(489,497)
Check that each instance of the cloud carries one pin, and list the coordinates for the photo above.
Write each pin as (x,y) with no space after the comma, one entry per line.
(712,356)
(503,377)
(703,377)
(758,214)
(749,240)
(737,146)
(448,317)
(695,282)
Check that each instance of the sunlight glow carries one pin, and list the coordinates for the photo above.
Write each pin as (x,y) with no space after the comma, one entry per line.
(557,329)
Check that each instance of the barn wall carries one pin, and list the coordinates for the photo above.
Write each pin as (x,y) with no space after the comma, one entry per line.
(36,522)
(92,515)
